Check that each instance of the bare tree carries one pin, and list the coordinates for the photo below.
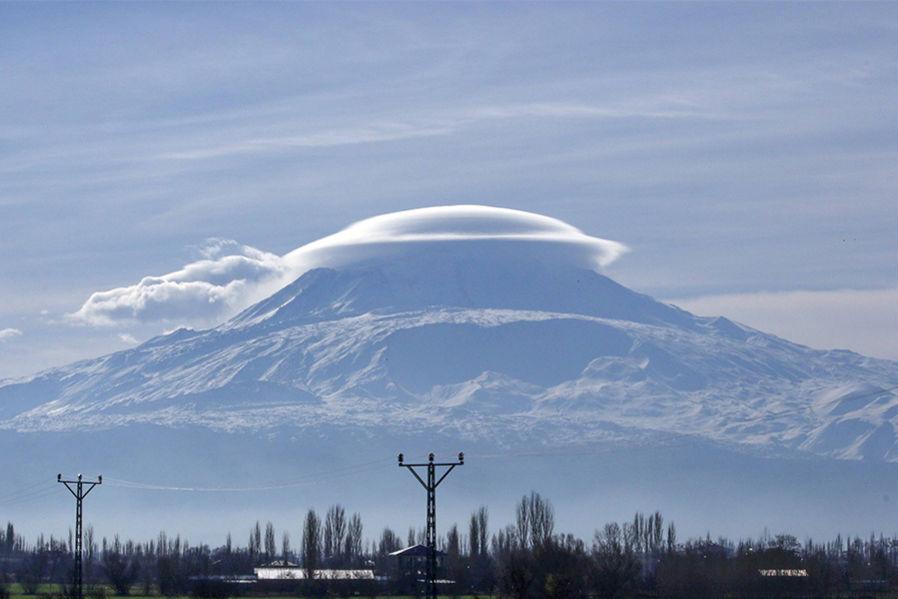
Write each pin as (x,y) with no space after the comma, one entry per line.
(311,544)
(480,565)
(657,532)
(482,527)
(9,539)
(121,568)
(474,547)
(453,545)
(672,537)
(90,553)
(522,523)
(285,546)
(504,541)
(270,542)
(534,521)
(255,542)
(389,542)
(617,568)
(352,549)
(334,533)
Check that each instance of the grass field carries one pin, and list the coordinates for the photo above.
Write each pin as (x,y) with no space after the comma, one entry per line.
(47,590)
(42,596)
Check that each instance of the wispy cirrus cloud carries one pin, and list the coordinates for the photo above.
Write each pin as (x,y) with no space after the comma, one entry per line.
(437,124)
(654,109)
(9,333)
(373,133)
(128,338)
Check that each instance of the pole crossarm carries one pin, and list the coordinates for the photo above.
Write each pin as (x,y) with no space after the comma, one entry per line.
(79,488)
(445,474)
(430,585)
(89,485)
(411,468)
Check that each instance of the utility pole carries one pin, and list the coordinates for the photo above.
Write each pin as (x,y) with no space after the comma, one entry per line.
(81,489)
(430,583)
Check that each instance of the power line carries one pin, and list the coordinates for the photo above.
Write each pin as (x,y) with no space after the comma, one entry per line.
(29,497)
(430,582)
(25,489)
(305,481)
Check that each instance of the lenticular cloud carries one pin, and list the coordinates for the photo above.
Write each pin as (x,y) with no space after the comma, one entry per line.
(452,225)
(233,276)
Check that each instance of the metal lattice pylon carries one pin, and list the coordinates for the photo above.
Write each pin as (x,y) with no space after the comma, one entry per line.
(79,488)
(430,581)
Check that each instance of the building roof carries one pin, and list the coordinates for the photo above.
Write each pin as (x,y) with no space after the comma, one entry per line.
(297,573)
(414,551)
(784,573)
(280,563)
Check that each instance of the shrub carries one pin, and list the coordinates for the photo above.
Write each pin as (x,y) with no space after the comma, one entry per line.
(96,591)
(122,571)
(210,589)
(30,583)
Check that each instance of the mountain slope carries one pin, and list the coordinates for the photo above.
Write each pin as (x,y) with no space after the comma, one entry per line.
(481,338)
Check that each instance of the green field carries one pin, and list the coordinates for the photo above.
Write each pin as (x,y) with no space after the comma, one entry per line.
(45,591)
(50,593)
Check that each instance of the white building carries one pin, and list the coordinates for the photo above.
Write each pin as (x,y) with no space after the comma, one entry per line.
(284,570)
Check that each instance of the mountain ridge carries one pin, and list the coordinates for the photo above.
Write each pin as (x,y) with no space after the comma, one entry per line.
(470,319)
(289,360)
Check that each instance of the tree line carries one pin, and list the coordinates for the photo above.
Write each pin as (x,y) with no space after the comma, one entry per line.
(525,559)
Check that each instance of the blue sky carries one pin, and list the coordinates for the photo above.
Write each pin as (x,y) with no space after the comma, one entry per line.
(746,153)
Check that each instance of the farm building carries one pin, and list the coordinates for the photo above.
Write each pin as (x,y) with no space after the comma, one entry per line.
(285,570)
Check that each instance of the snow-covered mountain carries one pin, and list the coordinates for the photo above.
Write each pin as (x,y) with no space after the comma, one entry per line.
(460,328)
(480,324)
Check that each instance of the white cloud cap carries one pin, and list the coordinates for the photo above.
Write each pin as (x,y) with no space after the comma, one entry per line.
(383,235)
(233,276)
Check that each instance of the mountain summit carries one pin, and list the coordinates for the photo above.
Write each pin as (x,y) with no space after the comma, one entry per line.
(482,324)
